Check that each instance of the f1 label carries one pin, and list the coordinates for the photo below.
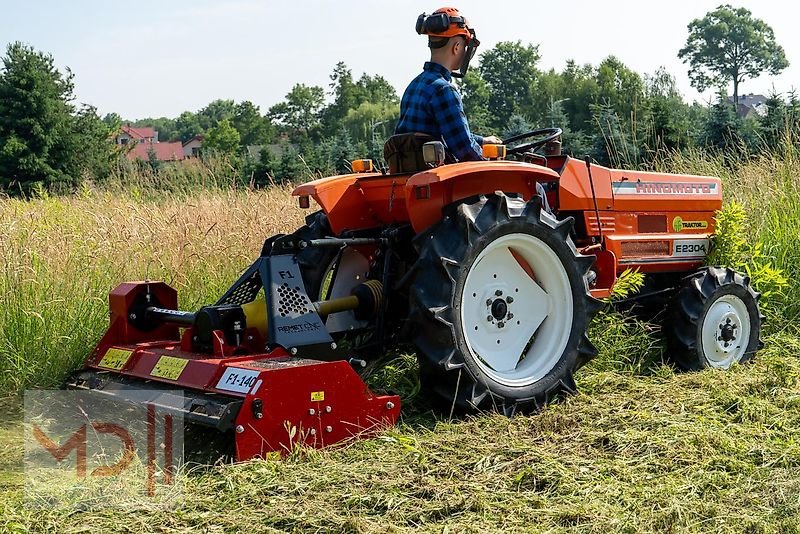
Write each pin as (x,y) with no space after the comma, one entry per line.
(690,248)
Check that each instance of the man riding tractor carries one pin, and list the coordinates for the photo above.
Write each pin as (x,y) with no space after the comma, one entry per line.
(431,104)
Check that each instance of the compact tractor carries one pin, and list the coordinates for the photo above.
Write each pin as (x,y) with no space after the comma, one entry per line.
(490,270)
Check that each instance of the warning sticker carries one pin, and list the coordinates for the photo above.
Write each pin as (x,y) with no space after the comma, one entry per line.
(317,396)
(115,358)
(169,367)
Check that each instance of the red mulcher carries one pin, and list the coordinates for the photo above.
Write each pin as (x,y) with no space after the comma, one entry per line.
(270,399)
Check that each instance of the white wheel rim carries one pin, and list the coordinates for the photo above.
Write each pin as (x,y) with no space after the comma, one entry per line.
(522,345)
(726,331)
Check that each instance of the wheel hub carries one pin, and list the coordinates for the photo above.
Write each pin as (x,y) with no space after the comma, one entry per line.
(725,331)
(499,309)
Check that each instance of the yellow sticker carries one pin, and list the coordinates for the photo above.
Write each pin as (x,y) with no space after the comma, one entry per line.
(115,358)
(169,367)
(678,224)
(317,396)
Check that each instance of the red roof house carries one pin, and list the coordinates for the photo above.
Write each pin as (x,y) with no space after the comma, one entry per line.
(162,151)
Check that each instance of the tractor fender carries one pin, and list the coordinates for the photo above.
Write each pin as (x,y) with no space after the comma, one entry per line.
(428,192)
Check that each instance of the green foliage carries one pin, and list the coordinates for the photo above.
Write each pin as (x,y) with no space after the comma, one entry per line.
(734,247)
(730,45)
(299,114)
(628,283)
(222,138)
(509,70)
(253,128)
(44,143)
(475,96)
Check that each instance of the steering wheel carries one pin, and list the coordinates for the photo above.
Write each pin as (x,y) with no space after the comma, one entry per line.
(546,134)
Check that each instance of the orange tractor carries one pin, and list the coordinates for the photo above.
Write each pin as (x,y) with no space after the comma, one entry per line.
(490,270)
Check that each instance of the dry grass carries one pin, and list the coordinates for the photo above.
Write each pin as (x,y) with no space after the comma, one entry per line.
(61,256)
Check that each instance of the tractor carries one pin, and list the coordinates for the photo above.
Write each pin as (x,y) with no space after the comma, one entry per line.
(491,271)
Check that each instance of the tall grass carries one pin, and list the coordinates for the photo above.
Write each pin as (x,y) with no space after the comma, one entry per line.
(61,256)
(768,187)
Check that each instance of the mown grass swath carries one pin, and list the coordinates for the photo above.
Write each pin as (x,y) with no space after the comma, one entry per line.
(642,448)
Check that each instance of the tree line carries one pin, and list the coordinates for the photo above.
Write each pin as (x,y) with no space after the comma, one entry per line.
(607,111)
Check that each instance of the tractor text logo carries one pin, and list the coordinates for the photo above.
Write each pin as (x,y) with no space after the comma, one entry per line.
(679,225)
(663,188)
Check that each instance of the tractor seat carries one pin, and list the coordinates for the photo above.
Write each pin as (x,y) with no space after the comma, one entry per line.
(403,152)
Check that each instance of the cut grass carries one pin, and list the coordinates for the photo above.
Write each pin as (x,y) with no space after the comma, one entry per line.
(706,452)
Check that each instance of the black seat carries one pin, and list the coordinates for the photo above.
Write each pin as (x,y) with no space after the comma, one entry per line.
(403,152)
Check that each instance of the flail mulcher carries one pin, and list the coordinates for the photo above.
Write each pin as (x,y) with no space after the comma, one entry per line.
(490,269)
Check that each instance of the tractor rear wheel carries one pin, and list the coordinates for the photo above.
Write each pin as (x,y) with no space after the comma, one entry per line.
(500,306)
(315,262)
(714,320)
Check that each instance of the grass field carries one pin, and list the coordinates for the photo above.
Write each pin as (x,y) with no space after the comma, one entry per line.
(642,448)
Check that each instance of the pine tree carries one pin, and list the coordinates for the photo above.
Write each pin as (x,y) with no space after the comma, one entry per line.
(36,122)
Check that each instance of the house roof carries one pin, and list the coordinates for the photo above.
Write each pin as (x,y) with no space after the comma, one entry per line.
(139,133)
(195,138)
(163,151)
(750,101)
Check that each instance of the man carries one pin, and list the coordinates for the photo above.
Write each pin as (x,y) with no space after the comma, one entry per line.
(431,104)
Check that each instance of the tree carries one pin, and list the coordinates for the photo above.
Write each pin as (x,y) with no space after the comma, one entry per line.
(92,143)
(510,72)
(188,125)
(475,95)
(36,122)
(721,129)
(376,89)
(730,45)
(299,114)
(345,97)
(619,87)
(113,121)
(216,111)
(253,128)
(223,138)
(667,114)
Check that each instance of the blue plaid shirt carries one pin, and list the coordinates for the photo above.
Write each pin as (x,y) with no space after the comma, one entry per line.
(432,105)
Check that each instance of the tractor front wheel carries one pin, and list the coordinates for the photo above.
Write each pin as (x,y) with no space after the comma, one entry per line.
(714,320)
(500,306)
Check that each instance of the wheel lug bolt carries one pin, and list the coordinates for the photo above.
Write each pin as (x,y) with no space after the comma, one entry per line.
(498,293)
(490,318)
(501,324)
(510,316)
(489,303)
(509,299)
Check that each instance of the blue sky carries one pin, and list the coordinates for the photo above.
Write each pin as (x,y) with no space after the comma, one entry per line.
(149,58)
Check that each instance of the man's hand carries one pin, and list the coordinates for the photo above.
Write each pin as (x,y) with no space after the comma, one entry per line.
(492,140)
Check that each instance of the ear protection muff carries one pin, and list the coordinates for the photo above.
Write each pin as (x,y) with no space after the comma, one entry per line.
(436,23)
